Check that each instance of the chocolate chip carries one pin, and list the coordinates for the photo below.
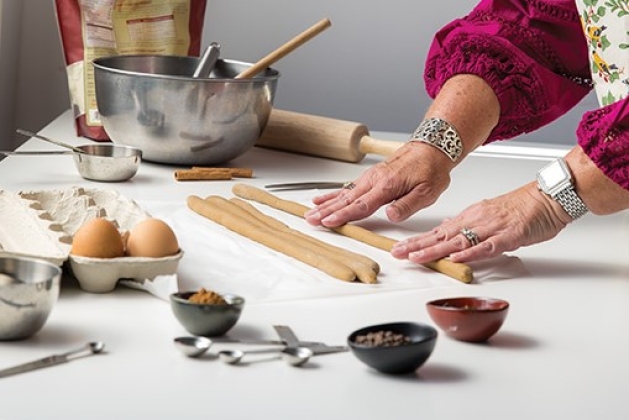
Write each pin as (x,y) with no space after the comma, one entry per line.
(383,338)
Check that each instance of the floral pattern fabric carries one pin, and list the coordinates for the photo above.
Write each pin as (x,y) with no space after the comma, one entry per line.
(606,27)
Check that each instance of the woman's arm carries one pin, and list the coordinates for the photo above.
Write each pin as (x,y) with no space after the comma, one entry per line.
(507,68)
(601,194)
(532,53)
(417,173)
(603,135)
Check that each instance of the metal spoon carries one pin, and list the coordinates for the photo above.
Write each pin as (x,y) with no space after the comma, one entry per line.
(294,356)
(193,346)
(49,140)
(34,152)
(207,61)
(93,347)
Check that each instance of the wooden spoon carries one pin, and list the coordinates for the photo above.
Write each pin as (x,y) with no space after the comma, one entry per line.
(285,49)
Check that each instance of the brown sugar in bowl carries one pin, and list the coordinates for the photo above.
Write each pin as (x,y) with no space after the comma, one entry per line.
(471,319)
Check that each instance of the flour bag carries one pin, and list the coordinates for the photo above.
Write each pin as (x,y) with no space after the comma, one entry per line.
(91,29)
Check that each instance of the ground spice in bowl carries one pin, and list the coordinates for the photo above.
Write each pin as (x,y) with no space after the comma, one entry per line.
(207,297)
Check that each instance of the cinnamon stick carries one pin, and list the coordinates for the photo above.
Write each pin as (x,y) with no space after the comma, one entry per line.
(235,172)
(197,173)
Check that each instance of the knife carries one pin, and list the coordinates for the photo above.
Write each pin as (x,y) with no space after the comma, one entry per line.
(55,359)
(287,335)
(229,340)
(305,185)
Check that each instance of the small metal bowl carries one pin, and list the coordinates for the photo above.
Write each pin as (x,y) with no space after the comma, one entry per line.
(107,162)
(29,288)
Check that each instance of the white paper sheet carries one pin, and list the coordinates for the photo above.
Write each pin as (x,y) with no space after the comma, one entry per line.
(221,260)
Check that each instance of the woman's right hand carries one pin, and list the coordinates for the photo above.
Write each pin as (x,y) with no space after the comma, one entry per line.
(411,179)
(416,175)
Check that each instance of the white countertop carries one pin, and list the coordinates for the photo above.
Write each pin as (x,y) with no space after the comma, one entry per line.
(561,353)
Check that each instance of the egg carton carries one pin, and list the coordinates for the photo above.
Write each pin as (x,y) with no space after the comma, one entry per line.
(28,232)
(71,208)
(41,224)
(100,275)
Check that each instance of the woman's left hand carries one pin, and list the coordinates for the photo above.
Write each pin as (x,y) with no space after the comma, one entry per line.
(522,217)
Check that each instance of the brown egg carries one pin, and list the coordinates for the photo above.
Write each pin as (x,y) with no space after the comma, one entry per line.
(152,238)
(98,238)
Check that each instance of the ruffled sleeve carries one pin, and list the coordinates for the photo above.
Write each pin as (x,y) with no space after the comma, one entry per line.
(603,135)
(532,53)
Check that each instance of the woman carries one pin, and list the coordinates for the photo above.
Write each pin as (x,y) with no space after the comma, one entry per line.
(509,67)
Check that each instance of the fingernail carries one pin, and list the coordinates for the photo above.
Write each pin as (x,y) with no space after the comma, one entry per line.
(416,254)
(399,247)
(312,214)
(330,219)
(393,213)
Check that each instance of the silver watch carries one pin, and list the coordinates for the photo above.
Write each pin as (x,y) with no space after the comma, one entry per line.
(555,180)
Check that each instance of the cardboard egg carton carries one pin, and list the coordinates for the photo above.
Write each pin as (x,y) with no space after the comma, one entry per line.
(28,232)
(42,223)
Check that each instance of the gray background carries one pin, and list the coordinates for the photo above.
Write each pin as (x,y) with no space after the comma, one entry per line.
(367,67)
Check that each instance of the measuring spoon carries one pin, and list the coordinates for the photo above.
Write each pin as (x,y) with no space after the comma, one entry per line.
(193,346)
(294,356)
(49,140)
(90,348)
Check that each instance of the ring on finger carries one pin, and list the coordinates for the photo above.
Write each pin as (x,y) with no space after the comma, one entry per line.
(349,185)
(471,236)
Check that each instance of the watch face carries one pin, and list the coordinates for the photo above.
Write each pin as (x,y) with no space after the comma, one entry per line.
(553,176)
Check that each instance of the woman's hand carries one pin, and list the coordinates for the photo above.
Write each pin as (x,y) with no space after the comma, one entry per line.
(418,173)
(412,179)
(522,217)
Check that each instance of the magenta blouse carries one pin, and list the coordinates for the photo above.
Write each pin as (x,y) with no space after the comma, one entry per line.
(534,55)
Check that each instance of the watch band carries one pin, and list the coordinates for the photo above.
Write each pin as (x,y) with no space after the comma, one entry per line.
(440,134)
(571,202)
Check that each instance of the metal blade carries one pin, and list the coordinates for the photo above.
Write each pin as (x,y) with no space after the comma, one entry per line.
(36,364)
(325,349)
(228,340)
(287,335)
(305,185)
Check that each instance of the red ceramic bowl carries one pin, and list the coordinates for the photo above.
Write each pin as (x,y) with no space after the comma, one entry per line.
(472,319)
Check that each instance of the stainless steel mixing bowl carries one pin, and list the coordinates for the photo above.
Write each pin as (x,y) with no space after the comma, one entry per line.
(154,104)
(29,289)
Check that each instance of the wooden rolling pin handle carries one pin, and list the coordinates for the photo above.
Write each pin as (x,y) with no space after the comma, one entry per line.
(314,135)
(369,145)
(325,137)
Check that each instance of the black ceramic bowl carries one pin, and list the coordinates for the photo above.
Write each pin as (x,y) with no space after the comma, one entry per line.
(397,357)
(209,320)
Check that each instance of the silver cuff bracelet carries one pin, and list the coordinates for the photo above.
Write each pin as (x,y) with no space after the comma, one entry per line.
(442,135)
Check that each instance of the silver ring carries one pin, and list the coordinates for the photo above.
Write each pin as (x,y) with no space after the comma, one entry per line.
(349,185)
(471,236)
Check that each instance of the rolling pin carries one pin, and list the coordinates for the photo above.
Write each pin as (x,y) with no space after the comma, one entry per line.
(322,136)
